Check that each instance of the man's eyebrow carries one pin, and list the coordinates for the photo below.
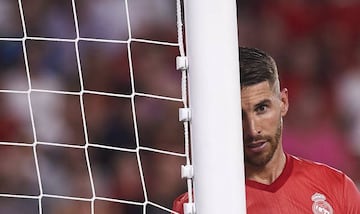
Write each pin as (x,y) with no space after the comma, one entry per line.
(262,102)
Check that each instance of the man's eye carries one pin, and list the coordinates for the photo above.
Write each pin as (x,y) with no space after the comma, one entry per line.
(261,109)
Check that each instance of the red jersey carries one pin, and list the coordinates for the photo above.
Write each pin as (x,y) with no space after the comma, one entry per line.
(302,187)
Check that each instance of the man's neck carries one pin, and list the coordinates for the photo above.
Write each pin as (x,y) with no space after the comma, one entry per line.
(270,172)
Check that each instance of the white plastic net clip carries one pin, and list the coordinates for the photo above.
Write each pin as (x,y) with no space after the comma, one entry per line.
(184,114)
(187,171)
(181,63)
(189,208)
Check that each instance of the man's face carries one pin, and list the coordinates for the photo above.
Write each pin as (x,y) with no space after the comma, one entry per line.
(262,112)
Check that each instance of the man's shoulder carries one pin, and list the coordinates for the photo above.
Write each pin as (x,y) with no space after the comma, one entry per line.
(179,201)
(339,189)
(312,165)
(315,169)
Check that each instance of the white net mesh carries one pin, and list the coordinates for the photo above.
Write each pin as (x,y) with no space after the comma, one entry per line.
(89,100)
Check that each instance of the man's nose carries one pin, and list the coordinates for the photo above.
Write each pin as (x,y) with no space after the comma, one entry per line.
(251,127)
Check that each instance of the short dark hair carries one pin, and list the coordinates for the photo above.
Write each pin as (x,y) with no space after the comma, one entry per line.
(257,66)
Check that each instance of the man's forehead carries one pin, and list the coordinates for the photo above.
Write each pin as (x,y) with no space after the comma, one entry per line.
(256,88)
(253,94)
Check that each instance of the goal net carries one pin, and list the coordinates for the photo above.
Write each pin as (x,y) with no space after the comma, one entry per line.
(90,96)
(89,99)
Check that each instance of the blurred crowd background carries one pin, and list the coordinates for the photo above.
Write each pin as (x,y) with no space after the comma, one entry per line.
(117,127)
(317,48)
(315,43)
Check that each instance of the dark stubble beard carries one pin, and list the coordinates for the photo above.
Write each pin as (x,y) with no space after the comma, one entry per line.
(262,159)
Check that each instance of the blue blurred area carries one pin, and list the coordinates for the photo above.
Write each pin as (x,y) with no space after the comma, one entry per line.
(317,47)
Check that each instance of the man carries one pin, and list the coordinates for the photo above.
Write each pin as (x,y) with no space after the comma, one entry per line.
(277,182)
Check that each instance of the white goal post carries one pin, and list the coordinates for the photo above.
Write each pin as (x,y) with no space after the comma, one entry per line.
(216,130)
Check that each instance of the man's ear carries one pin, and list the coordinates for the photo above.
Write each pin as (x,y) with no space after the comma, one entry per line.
(284,98)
